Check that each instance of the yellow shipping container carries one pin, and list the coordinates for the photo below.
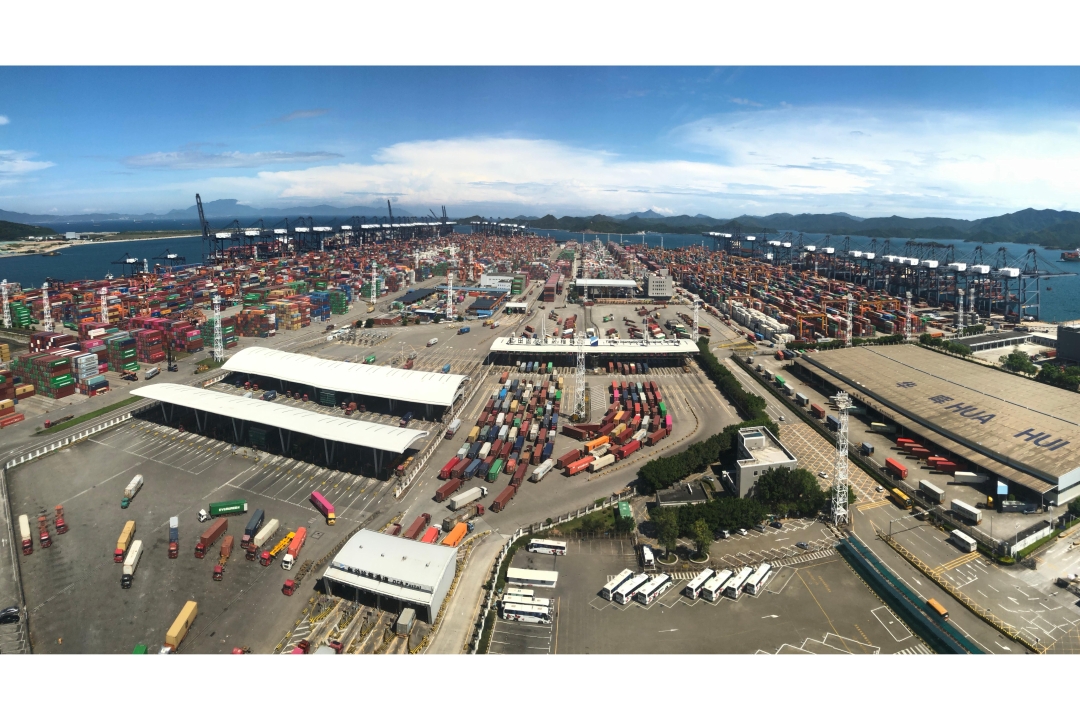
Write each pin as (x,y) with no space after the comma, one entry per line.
(182,624)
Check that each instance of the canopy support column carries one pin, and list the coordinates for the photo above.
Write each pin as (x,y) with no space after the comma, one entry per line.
(198,423)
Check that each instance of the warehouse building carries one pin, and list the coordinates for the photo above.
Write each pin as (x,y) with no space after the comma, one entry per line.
(1023,432)
(392,574)
(606,287)
(1068,343)
(487,306)
(758,452)
(330,382)
(598,351)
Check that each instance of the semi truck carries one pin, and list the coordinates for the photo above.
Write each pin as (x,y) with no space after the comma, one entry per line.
(323,505)
(129,492)
(462,499)
(174,537)
(293,551)
(268,556)
(130,563)
(452,428)
(541,470)
(261,538)
(126,536)
(24,532)
(210,536)
(253,526)
(179,629)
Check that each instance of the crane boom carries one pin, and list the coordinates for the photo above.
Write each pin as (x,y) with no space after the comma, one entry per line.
(204,225)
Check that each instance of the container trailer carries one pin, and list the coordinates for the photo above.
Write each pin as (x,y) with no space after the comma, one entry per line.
(931,492)
(179,629)
(265,534)
(293,551)
(452,428)
(129,492)
(965,511)
(895,468)
(174,537)
(27,538)
(324,506)
(210,536)
(417,526)
(268,555)
(455,536)
(231,507)
(602,462)
(866,448)
(448,488)
(430,535)
(504,498)
(122,543)
(253,526)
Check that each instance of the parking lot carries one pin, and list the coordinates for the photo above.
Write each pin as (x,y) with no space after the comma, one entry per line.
(815,606)
(72,589)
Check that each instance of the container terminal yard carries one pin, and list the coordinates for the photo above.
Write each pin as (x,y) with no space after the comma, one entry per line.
(231,455)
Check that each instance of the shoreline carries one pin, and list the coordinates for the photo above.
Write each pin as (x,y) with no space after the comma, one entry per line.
(68,244)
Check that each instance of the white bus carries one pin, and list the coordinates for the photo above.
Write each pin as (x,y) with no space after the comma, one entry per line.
(647,558)
(526,613)
(693,588)
(528,601)
(714,588)
(626,591)
(656,587)
(615,582)
(757,581)
(733,588)
(531,578)
(962,541)
(519,592)
(547,547)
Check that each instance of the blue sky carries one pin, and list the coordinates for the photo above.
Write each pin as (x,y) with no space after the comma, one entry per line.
(720,141)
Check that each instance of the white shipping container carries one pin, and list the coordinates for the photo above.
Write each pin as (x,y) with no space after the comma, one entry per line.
(484,450)
(24,527)
(542,469)
(133,486)
(601,462)
(464,498)
(265,533)
(132,559)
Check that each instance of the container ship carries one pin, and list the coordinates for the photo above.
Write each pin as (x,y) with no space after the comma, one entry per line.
(1071,256)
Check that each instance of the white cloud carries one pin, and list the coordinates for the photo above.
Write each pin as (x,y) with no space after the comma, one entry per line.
(197,159)
(13,162)
(4,120)
(786,160)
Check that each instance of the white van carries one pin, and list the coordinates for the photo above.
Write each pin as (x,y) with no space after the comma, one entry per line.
(432,341)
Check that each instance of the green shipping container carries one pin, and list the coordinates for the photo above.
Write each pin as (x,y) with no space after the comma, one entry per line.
(624,511)
(233,507)
(327,398)
(493,473)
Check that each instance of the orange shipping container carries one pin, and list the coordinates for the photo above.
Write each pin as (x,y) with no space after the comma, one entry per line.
(455,536)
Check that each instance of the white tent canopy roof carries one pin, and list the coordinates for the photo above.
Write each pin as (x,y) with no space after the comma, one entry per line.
(415,386)
(331,427)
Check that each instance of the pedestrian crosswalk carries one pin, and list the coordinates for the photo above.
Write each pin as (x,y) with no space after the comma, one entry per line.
(919,649)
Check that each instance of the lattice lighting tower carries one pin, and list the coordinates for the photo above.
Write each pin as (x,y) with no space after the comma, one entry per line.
(840,487)
(971,306)
(104,293)
(7,310)
(374,279)
(907,317)
(960,313)
(145,266)
(579,380)
(219,339)
(849,332)
(46,308)
(696,304)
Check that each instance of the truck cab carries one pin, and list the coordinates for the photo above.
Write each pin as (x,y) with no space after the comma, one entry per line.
(203,516)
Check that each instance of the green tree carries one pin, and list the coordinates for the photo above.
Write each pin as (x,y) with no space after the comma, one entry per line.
(369,323)
(667,529)
(591,523)
(623,525)
(789,492)
(702,536)
(1018,361)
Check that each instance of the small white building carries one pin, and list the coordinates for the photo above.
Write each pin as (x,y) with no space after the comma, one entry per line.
(759,452)
(392,573)
(660,285)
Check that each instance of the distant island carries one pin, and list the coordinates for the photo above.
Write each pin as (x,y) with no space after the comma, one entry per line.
(17,231)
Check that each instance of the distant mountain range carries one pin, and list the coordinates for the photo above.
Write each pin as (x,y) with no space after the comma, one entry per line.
(1050,228)
(215,210)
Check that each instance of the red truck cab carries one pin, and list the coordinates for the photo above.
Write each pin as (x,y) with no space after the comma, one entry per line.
(219,572)
(265,559)
(289,587)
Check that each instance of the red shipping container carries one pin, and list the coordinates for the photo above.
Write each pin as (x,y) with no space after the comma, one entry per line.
(895,468)
(448,489)
(621,453)
(448,468)
(568,458)
(504,498)
(817,411)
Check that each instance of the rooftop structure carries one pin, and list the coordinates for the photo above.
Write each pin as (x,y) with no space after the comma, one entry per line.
(685,493)
(989,341)
(606,283)
(1012,426)
(333,428)
(424,388)
(759,451)
(392,573)
(552,346)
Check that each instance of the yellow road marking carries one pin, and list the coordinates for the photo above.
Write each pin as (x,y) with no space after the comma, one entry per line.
(871,506)
(956,562)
